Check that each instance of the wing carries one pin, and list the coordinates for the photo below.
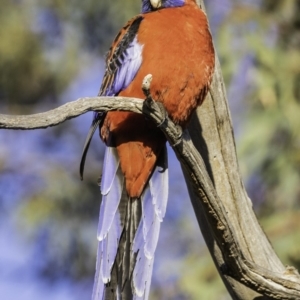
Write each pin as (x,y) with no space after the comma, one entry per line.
(122,63)
(123,59)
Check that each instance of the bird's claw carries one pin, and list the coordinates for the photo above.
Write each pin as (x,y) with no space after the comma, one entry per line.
(150,103)
(163,112)
(179,136)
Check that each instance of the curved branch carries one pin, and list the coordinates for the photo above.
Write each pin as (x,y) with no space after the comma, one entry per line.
(268,283)
(68,111)
(236,263)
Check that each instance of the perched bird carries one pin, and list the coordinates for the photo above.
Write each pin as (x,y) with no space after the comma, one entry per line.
(170,39)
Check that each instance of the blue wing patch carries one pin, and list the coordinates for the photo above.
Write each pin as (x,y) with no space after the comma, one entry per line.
(123,60)
(130,64)
(122,63)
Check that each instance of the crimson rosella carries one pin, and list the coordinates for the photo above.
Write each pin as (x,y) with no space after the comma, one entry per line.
(170,39)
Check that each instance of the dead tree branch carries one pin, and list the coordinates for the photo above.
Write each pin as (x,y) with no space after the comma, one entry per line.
(270,284)
(68,111)
(237,265)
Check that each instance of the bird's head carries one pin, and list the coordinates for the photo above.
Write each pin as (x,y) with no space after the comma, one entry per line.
(151,5)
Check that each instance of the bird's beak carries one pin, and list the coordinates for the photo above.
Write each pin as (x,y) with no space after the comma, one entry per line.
(156,3)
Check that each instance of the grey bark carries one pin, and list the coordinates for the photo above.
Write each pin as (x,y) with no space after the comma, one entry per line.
(249,267)
(245,260)
(212,134)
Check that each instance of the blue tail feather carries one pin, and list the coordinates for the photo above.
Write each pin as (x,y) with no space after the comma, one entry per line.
(110,167)
(154,202)
(110,248)
(111,189)
(128,232)
(98,289)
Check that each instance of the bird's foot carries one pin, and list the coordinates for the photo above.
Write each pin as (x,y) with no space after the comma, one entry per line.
(153,108)
(178,137)
(163,112)
(157,113)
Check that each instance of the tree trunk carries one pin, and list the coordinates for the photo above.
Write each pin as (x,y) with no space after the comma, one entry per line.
(212,134)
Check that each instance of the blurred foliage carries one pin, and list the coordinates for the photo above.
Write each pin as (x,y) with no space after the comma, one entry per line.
(46,44)
(43,44)
(282,229)
(206,282)
(61,219)
(44,47)
(28,72)
(270,147)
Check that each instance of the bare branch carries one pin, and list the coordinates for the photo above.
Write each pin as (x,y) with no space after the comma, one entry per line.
(268,283)
(70,110)
(237,265)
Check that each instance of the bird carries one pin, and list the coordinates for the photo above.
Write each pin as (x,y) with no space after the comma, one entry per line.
(171,40)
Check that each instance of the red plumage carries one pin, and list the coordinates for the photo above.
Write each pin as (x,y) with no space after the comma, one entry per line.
(179,53)
(175,46)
